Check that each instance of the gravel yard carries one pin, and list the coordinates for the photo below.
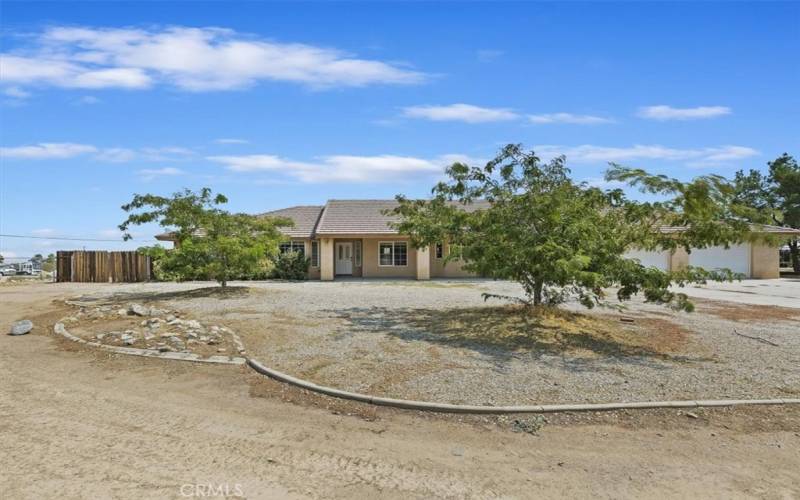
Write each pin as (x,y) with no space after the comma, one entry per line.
(439,341)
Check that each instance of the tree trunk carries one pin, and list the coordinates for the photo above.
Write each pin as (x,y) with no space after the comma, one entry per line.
(224,283)
(794,252)
(537,293)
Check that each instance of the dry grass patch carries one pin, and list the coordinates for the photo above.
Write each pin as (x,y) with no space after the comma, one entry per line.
(519,329)
(747,312)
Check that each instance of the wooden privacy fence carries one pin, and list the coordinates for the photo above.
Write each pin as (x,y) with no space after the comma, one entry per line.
(102,267)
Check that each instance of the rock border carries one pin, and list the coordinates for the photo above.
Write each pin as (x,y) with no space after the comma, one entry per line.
(472,409)
(60,329)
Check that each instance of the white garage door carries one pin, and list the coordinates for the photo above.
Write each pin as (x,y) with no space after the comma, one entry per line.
(736,258)
(659,260)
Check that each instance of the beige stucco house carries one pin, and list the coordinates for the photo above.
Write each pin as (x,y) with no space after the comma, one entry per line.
(356,238)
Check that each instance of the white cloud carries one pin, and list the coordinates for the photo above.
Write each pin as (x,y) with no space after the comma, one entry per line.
(88,99)
(196,59)
(694,157)
(341,168)
(116,155)
(601,183)
(232,141)
(663,112)
(460,112)
(569,118)
(65,150)
(47,150)
(44,232)
(148,174)
(16,93)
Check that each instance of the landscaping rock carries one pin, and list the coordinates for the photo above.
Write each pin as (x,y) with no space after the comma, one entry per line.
(138,310)
(21,327)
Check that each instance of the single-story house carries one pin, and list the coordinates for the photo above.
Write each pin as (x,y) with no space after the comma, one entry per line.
(356,238)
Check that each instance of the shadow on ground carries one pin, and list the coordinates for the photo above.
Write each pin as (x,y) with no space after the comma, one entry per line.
(229,292)
(507,332)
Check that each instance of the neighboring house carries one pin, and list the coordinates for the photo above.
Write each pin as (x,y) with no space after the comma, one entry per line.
(356,238)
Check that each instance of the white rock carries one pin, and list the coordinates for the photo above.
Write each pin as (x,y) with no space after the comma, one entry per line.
(138,310)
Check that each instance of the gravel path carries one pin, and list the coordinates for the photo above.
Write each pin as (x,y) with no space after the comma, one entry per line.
(371,337)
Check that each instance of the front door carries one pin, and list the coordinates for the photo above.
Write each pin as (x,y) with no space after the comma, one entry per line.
(344,257)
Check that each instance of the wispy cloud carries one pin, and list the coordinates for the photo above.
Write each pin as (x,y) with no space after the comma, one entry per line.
(569,118)
(231,141)
(341,168)
(460,112)
(66,150)
(47,150)
(195,59)
(46,231)
(488,55)
(700,157)
(148,174)
(16,93)
(664,112)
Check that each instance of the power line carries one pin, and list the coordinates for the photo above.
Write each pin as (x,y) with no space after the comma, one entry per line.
(120,240)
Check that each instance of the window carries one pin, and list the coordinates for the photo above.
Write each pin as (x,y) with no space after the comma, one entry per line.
(293,246)
(357,253)
(314,254)
(439,250)
(393,253)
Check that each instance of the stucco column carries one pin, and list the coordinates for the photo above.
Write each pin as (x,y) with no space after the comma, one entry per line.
(764,260)
(678,259)
(326,259)
(423,263)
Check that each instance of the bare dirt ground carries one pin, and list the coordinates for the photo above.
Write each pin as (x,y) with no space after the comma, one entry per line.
(76,423)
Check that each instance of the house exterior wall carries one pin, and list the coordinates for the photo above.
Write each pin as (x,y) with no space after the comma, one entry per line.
(452,269)
(371,269)
(764,261)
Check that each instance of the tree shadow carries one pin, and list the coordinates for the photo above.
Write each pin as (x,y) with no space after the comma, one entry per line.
(514,332)
(218,292)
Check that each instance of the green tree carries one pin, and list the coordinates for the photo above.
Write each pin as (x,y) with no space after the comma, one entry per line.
(558,238)
(49,264)
(2,259)
(211,243)
(37,259)
(774,197)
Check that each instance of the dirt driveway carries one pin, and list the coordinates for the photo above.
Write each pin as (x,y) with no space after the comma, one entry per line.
(79,424)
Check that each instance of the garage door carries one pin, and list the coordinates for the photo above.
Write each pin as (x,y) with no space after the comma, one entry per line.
(736,258)
(659,260)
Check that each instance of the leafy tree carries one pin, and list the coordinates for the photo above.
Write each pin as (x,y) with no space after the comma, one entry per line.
(49,264)
(775,197)
(37,259)
(211,243)
(558,238)
(2,259)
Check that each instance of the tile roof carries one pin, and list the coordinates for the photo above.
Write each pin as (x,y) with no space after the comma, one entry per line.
(305,219)
(364,216)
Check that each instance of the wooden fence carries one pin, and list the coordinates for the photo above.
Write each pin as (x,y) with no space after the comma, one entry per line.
(102,267)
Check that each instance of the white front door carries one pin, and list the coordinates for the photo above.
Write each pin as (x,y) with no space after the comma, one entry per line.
(344,257)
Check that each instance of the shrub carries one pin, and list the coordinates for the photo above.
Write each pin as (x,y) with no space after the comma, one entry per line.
(290,266)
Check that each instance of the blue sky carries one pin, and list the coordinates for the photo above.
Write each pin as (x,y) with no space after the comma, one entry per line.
(287,103)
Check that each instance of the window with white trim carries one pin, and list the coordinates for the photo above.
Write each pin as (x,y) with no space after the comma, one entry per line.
(293,246)
(314,253)
(393,253)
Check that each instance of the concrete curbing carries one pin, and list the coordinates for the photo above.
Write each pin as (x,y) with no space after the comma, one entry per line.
(60,329)
(473,409)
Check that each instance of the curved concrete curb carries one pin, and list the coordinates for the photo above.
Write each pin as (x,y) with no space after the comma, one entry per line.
(448,408)
(60,329)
